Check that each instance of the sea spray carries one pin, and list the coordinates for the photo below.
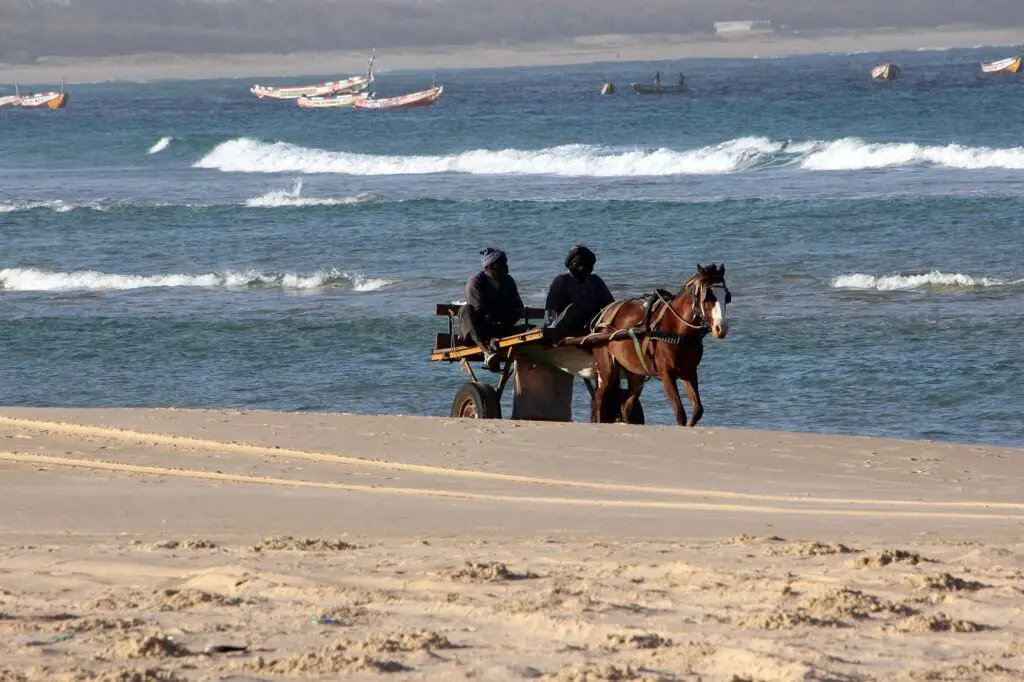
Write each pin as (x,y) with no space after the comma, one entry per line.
(161,144)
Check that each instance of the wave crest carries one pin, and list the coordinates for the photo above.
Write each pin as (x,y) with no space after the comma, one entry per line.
(856,154)
(284,197)
(161,144)
(33,279)
(929,279)
(247,155)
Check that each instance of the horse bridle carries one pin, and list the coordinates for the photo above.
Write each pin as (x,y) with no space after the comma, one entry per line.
(699,293)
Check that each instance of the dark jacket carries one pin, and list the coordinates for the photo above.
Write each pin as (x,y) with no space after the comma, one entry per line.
(497,302)
(588,296)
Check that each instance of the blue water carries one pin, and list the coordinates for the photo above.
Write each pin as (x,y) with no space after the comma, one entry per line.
(271,257)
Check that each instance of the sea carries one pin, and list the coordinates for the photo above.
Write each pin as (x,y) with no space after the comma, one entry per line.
(182,243)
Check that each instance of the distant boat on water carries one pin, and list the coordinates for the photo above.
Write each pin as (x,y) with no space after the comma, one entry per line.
(423,98)
(346,99)
(51,99)
(353,84)
(657,88)
(1008,65)
(608,88)
(886,72)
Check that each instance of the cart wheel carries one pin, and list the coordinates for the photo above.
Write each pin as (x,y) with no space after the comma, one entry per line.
(476,401)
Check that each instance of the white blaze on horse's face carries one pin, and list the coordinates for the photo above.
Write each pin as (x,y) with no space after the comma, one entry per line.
(719,327)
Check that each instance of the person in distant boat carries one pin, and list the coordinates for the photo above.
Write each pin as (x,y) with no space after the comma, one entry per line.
(576,296)
(657,79)
(493,306)
(682,81)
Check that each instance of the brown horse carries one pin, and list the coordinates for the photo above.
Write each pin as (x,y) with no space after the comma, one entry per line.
(667,341)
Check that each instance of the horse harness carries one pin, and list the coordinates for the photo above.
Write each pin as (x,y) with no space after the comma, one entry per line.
(657,304)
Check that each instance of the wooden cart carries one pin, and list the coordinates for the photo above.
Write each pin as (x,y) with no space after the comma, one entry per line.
(543,372)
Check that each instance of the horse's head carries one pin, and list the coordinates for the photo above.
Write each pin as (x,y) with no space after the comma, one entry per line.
(712,295)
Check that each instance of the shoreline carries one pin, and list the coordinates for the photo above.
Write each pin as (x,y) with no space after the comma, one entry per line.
(583,50)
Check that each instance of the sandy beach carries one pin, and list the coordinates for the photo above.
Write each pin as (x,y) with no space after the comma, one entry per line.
(214,545)
(607,48)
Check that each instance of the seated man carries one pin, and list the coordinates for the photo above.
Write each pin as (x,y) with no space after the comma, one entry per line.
(493,306)
(574,298)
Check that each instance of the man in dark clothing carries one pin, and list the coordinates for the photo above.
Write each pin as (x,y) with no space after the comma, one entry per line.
(574,298)
(493,306)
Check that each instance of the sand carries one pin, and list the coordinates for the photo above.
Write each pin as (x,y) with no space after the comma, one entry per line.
(607,48)
(215,545)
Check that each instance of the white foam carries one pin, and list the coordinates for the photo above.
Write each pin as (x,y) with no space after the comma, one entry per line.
(855,154)
(904,282)
(33,279)
(57,205)
(161,144)
(246,155)
(284,197)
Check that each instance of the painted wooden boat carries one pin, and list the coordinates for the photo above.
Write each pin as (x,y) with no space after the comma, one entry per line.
(353,84)
(1008,65)
(423,98)
(886,72)
(642,89)
(608,88)
(52,99)
(346,99)
(657,88)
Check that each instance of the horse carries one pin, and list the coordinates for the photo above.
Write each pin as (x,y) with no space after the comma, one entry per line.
(665,338)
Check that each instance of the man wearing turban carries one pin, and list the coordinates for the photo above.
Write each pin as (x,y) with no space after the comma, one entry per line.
(575,297)
(493,306)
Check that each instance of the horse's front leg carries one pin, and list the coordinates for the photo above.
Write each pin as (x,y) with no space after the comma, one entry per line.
(607,378)
(672,391)
(693,393)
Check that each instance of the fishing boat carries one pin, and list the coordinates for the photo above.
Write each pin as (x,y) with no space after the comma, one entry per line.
(423,98)
(52,99)
(353,84)
(1008,65)
(10,101)
(346,99)
(657,88)
(608,88)
(886,72)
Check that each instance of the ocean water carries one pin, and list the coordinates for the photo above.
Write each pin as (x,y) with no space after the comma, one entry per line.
(182,243)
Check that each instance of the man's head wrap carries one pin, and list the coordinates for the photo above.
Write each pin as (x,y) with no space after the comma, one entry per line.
(490,256)
(580,258)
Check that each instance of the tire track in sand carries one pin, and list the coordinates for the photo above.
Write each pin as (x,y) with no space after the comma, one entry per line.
(208,445)
(119,467)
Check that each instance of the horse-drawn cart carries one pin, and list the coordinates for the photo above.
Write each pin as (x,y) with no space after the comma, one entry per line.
(542,372)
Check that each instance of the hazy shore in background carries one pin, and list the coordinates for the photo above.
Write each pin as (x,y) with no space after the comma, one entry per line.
(579,51)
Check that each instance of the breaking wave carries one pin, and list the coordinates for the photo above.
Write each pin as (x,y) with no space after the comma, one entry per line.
(33,279)
(56,205)
(162,144)
(247,155)
(855,154)
(293,197)
(933,279)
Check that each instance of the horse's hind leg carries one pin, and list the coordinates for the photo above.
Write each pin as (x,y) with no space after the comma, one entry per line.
(672,391)
(635,384)
(693,393)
